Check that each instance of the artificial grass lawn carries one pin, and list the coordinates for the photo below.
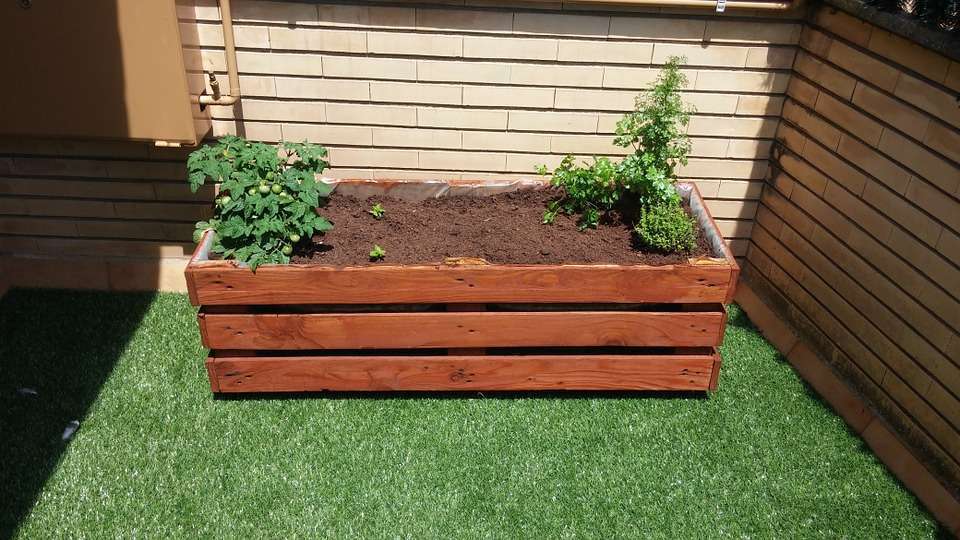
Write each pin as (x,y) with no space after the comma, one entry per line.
(156,455)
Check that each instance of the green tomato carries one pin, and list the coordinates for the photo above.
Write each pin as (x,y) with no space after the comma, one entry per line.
(287,250)
(225,200)
(294,238)
(264,189)
(252,191)
(284,194)
(270,175)
(276,188)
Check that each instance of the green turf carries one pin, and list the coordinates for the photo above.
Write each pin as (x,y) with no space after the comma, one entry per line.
(157,456)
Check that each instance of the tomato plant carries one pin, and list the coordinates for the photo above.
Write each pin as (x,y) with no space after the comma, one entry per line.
(268,199)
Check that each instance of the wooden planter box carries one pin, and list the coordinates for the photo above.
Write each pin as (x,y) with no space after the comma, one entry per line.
(450,326)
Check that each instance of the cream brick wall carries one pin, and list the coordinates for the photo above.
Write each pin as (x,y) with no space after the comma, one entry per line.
(858,221)
(413,92)
(459,92)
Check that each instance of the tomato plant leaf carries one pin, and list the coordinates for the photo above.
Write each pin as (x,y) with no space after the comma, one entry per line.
(266,195)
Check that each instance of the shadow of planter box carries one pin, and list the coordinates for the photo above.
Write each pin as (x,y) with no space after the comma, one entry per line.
(476,327)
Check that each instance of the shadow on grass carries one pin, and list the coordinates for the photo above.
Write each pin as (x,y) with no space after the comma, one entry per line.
(57,349)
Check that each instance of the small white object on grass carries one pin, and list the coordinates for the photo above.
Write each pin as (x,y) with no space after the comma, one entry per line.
(71,428)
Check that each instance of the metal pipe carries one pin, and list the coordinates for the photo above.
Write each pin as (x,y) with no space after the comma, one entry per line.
(230,50)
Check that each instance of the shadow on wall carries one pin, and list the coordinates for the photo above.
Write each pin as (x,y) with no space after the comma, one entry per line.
(55,226)
(91,214)
(46,388)
(37,215)
(47,47)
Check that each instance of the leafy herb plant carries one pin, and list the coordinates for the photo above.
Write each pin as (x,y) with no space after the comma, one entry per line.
(377,211)
(377,253)
(656,131)
(588,190)
(268,199)
(666,228)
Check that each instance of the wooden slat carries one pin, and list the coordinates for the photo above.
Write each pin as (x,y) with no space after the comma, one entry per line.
(483,373)
(704,280)
(221,283)
(461,330)
(461,351)
(212,375)
(715,376)
(728,256)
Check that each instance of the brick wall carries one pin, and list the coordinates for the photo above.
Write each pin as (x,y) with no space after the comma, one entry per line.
(857,232)
(404,92)
(401,92)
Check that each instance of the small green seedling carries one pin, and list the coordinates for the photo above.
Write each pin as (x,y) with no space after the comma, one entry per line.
(377,253)
(377,211)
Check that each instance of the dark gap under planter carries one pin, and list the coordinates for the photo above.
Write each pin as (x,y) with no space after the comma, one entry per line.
(463,324)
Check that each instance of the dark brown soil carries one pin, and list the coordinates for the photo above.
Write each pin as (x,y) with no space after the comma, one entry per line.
(503,229)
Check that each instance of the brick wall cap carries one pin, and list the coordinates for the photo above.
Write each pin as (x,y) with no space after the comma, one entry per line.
(903,25)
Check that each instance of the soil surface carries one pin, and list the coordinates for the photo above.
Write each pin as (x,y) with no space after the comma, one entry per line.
(502,229)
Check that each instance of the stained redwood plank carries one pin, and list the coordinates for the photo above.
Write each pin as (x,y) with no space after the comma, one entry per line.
(734,279)
(731,261)
(476,373)
(221,283)
(702,280)
(715,376)
(212,375)
(460,351)
(461,330)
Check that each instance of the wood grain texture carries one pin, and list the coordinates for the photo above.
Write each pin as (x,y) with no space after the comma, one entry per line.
(705,279)
(476,373)
(727,253)
(461,351)
(212,375)
(461,330)
(222,283)
(715,376)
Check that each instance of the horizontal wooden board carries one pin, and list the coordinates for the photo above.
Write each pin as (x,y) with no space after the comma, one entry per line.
(222,283)
(700,280)
(475,373)
(461,329)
